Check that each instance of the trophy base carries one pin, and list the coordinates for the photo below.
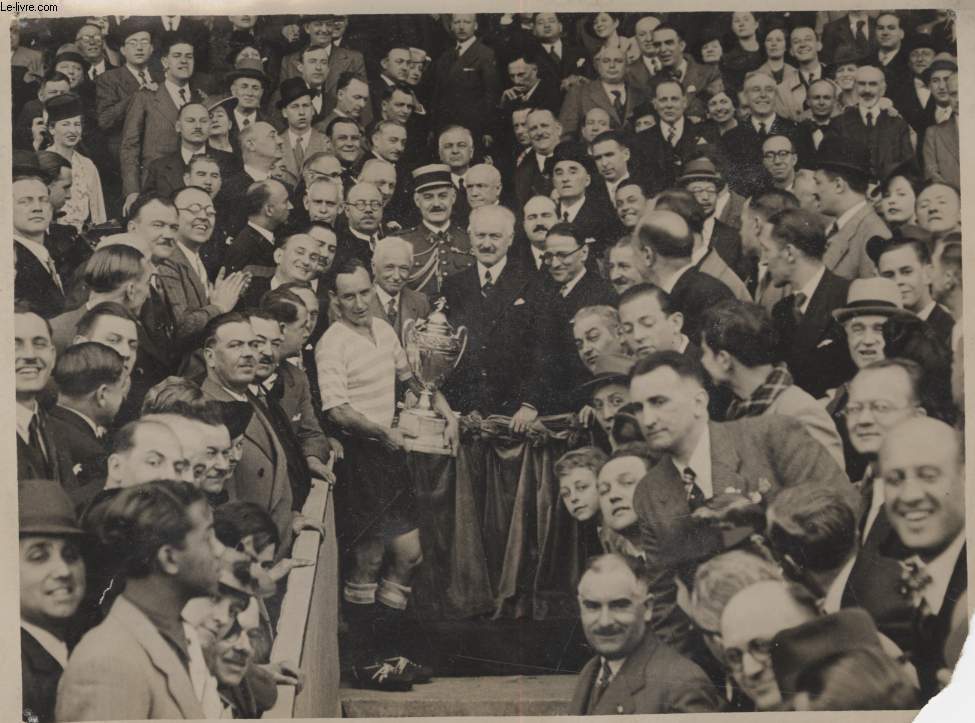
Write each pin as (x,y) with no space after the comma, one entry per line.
(423,431)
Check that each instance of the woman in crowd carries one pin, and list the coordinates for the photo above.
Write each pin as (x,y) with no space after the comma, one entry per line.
(64,122)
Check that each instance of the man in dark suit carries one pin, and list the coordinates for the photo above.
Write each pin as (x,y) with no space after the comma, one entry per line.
(261,147)
(911,95)
(393,301)
(667,242)
(810,342)
(907,261)
(364,213)
(634,672)
(588,209)
(642,71)
(609,91)
(466,82)
(891,56)
(149,131)
(165,175)
(886,137)
(661,151)
(92,383)
(528,88)
(694,78)
(36,278)
(912,449)
(557,368)
(533,175)
(854,30)
(559,58)
(266,205)
(492,300)
(168,27)
(50,554)
(724,466)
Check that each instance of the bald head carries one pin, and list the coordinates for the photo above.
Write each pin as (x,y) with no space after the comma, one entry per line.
(665,233)
(483,185)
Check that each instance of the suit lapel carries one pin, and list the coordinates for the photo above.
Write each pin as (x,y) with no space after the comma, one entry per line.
(620,696)
(163,657)
(165,105)
(183,264)
(725,462)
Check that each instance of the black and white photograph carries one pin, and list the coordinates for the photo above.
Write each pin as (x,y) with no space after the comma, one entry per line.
(494,364)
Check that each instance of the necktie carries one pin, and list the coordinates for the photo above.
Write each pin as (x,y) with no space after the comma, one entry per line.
(798,301)
(392,313)
(870,120)
(488,284)
(299,153)
(565,216)
(762,130)
(460,184)
(618,104)
(602,683)
(553,55)
(246,122)
(183,99)
(143,78)
(53,271)
(672,135)
(36,441)
(695,497)
(861,32)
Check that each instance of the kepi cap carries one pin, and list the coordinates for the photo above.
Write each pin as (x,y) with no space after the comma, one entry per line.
(433,175)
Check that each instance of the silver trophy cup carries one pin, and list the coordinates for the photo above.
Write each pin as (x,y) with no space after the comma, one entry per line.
(433,348)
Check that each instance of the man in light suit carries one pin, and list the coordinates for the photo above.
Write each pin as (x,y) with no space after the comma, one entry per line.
(738,352)
(393,301)
(262,474)
(183,276)
(940,152)
(466,83)
(634,672)
(610,91)
(128,667)
(841,184)
(724,467)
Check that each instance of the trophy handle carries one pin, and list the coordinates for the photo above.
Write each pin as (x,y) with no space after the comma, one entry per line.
(463,337)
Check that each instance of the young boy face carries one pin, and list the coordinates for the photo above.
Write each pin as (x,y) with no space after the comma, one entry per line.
(578,491)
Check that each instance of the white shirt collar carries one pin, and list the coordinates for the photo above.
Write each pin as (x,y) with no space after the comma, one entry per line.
(940,569)
(833,600)
(96,428)
(678,127)
(671,282)
(611,186)
(849,213)
(681,69)
(768,123)
(924,313)
(385,298)
(276,282)
(495,270)
(188,154)
(700,462)
(572,209)
(537,255)
(371,240)
(540,160)
(619,87)
(652,64)
(305,137)
(252,116)
(35,247)
(174,90)
(942,113)
(263,231)
(256,173)
(24,417)
(466,45)
(570,285)
(874,110)
(57,648)
(810,288)
(556,46)
(238,396)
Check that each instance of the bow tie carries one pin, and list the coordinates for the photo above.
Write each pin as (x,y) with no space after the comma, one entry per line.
(439,237)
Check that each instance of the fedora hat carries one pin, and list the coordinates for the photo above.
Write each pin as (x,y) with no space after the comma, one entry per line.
(433,175)
(700,169)
(129,27)
(25,163)
(796,650)
(574,152)
(248,68)
(45,509)
(291,90)
(609,369)
(942,61)
(874,296)
(843,156)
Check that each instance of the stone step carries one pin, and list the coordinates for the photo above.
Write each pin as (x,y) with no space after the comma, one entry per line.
(508,695)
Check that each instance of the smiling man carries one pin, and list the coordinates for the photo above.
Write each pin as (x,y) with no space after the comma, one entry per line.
(596,330)
(633,672)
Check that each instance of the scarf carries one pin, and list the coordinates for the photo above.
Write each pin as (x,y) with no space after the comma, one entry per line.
(778,380)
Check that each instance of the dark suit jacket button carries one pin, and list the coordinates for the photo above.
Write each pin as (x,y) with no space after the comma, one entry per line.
(260,472)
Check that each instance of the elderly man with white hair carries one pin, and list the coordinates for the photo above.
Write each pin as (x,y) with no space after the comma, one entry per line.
(393,301)
(482,182)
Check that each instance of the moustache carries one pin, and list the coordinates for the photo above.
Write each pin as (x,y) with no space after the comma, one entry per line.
(540,227)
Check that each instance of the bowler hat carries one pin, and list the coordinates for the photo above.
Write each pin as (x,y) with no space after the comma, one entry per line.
(432,175)
(236,416)
(700,169)
(46,509)
(804,647)
(248,68)
(908,233)
(874,296)
(608,369)
(919,40)
(70,53)
(843,156)
(575,152)
(63,106)
(291,90)
(942,61)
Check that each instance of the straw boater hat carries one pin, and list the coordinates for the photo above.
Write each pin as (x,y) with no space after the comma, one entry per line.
(875,296)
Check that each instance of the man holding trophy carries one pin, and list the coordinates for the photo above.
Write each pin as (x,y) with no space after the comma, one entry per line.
(359,360)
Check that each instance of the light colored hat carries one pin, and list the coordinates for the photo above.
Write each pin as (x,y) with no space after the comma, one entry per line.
(875,296)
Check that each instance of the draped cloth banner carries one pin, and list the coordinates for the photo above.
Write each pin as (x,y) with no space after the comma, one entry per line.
(496,538)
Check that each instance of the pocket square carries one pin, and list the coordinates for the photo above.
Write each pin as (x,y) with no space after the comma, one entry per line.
(296,418)
(824,342)
(470,70)
(519,302)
